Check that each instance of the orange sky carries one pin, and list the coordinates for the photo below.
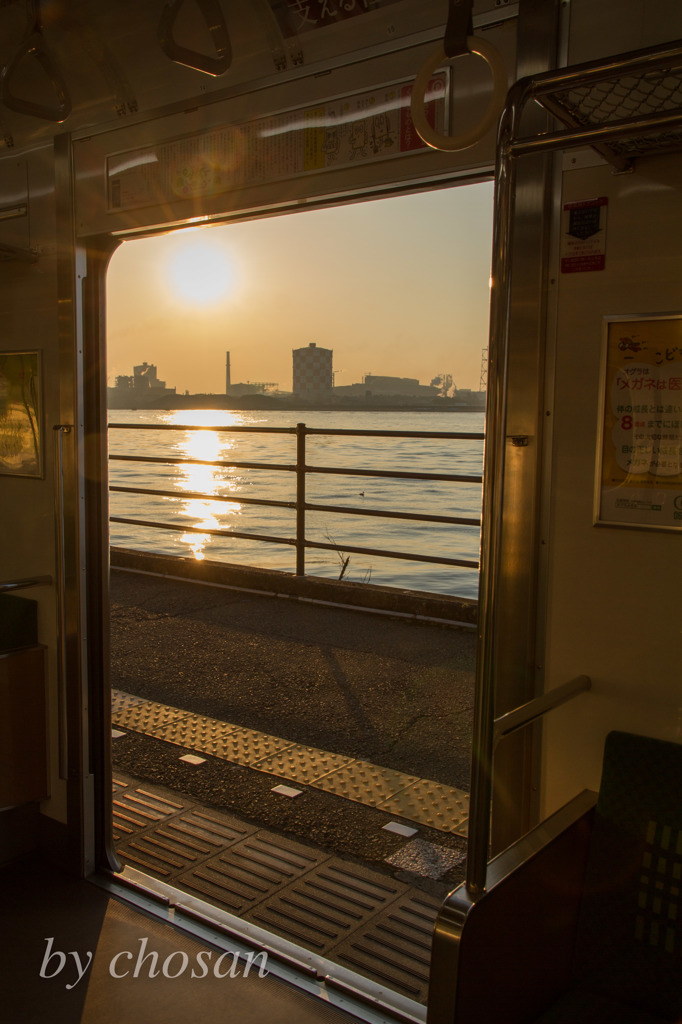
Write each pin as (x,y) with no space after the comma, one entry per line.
(394,286)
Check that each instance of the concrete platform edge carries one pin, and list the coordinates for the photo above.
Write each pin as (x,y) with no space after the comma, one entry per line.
(388,600)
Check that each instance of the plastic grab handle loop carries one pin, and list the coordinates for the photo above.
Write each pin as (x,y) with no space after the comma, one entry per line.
(452,143)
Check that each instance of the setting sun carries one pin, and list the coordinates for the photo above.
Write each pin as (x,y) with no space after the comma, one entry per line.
(200,272)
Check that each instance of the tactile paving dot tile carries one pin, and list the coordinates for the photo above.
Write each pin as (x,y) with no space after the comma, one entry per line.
(429,803)
(365,783)
(230,742)
(148,718)
(246,746)
(197,732)
(302,764)
(120,701)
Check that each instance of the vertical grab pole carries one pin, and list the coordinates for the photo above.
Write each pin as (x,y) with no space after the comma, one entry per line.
(300,499)
(59,432)
(481,796)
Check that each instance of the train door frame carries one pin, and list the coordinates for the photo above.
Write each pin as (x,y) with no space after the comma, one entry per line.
(81,296)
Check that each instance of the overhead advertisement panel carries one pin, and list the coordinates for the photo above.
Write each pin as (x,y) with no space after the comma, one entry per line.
(640,475)
(356,129)
(296,16)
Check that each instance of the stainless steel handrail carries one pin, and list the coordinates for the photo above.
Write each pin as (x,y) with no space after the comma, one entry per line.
(478,838)
(59,431)
(31,581)
(510,722)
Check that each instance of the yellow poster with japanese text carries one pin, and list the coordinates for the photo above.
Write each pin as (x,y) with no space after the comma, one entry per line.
(640,480)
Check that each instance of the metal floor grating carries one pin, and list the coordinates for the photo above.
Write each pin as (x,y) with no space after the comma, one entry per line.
(367,921)
(421,801)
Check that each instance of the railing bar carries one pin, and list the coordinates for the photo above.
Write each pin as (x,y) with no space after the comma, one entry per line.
(31,581)
(457,520)
(340,432)
(534,709)
(292,542)
(300,498)
(346,509)
(382,553)
(191,426)
(202,494)
(395,475)
(176,461)
(583,135)
(179,528)
(439,434)
(332,470)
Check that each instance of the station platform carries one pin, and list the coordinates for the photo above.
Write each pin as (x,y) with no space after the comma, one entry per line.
(302,767)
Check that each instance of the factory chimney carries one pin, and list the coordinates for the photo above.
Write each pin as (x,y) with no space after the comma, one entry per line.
(227,373)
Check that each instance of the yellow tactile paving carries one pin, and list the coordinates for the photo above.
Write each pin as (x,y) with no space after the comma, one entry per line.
(429,803)
(406,796)
(220,739)
(147,718)
(366,783)
(302,764)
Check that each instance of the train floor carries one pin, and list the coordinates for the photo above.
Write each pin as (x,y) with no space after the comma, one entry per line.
(70,956)
(348,922)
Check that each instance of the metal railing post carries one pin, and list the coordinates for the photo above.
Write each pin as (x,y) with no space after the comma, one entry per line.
(300,499)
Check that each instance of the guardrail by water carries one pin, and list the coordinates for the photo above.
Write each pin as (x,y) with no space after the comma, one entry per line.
(300,505)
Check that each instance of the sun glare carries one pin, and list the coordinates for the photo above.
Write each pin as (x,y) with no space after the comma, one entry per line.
(200,272)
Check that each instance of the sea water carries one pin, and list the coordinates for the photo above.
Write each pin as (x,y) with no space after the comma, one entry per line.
(199,490)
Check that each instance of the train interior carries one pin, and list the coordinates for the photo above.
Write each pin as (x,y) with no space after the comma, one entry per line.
(274,790)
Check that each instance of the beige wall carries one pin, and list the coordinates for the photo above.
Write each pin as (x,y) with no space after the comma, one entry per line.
(613,593)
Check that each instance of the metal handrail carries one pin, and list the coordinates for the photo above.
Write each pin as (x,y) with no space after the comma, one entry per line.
(301,469)
(522,716)
(30,581)
(503,726)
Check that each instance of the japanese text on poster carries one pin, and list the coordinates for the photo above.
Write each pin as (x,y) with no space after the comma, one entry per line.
(357,129)
(296,16)
(641,459)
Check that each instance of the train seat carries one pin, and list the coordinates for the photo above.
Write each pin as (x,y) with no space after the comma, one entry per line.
(589,928)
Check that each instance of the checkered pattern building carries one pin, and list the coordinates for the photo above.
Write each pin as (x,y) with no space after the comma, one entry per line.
(312,371)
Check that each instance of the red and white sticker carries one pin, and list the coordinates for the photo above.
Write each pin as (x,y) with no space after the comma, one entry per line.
(583,236)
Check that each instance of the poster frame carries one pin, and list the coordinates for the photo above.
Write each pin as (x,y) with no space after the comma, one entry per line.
(603,442)
(32,435)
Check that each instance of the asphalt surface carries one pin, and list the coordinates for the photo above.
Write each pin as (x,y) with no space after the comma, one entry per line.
(389,691)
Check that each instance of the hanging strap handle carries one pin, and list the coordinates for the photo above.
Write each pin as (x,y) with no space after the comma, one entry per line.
(215,22)
(33,45)
(459,40)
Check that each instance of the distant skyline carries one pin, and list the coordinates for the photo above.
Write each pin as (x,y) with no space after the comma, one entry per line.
(396,287)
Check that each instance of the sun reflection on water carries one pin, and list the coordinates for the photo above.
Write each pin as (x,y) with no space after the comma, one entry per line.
(209,446)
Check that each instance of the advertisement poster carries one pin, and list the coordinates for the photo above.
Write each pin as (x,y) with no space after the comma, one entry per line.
(20,415)
(346,132)
(640,473)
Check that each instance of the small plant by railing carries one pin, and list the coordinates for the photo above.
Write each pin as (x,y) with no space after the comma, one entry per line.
(301,505)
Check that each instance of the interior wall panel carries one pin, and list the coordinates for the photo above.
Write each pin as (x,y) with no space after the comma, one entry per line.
(614,592)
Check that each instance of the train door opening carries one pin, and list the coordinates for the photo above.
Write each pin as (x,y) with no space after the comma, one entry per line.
(293,402)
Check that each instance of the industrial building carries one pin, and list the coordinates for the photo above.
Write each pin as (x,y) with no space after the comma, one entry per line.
(143,388)
(374,385)
(313,376)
